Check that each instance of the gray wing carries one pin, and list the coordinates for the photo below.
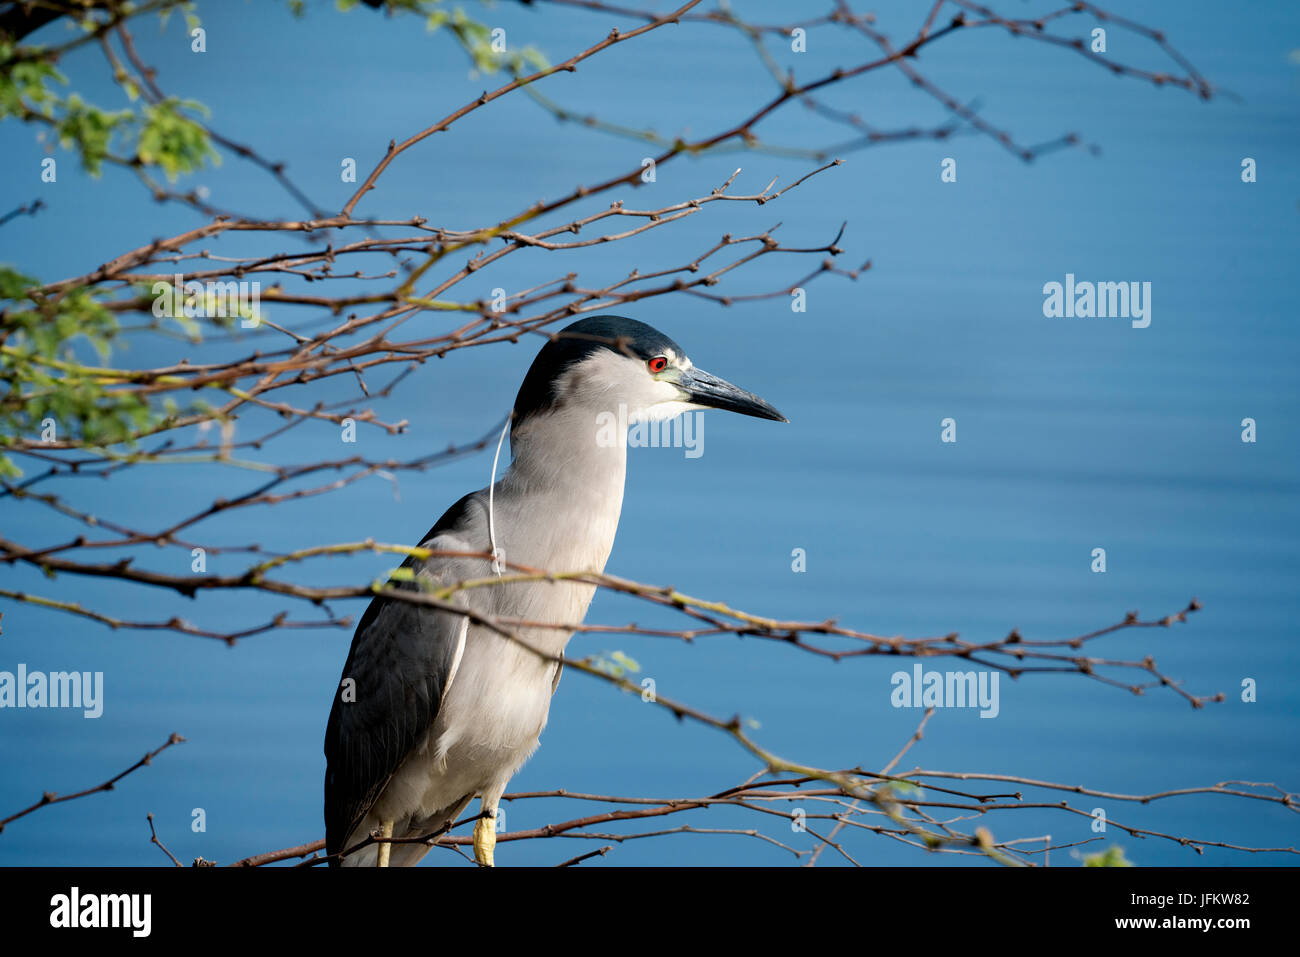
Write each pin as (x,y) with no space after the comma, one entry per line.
(400,665)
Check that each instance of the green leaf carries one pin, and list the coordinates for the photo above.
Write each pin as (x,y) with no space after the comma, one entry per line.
(172,140)
(624,661)
(1113,856)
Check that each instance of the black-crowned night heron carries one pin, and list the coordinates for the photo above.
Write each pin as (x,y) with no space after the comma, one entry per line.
(434,710)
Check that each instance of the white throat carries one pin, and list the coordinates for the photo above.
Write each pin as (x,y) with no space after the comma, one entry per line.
(558,504)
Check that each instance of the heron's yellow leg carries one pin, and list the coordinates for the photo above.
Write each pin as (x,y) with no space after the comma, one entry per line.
(385,830)
(485,837)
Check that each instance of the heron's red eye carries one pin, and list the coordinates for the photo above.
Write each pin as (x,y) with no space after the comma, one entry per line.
(658,364)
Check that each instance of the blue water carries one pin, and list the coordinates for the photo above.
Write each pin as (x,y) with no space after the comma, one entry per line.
(1072,434)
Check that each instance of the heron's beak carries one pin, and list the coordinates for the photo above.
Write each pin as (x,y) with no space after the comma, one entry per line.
(704,389)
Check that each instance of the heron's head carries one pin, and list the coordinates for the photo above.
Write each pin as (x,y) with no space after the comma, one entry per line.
(602,363)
